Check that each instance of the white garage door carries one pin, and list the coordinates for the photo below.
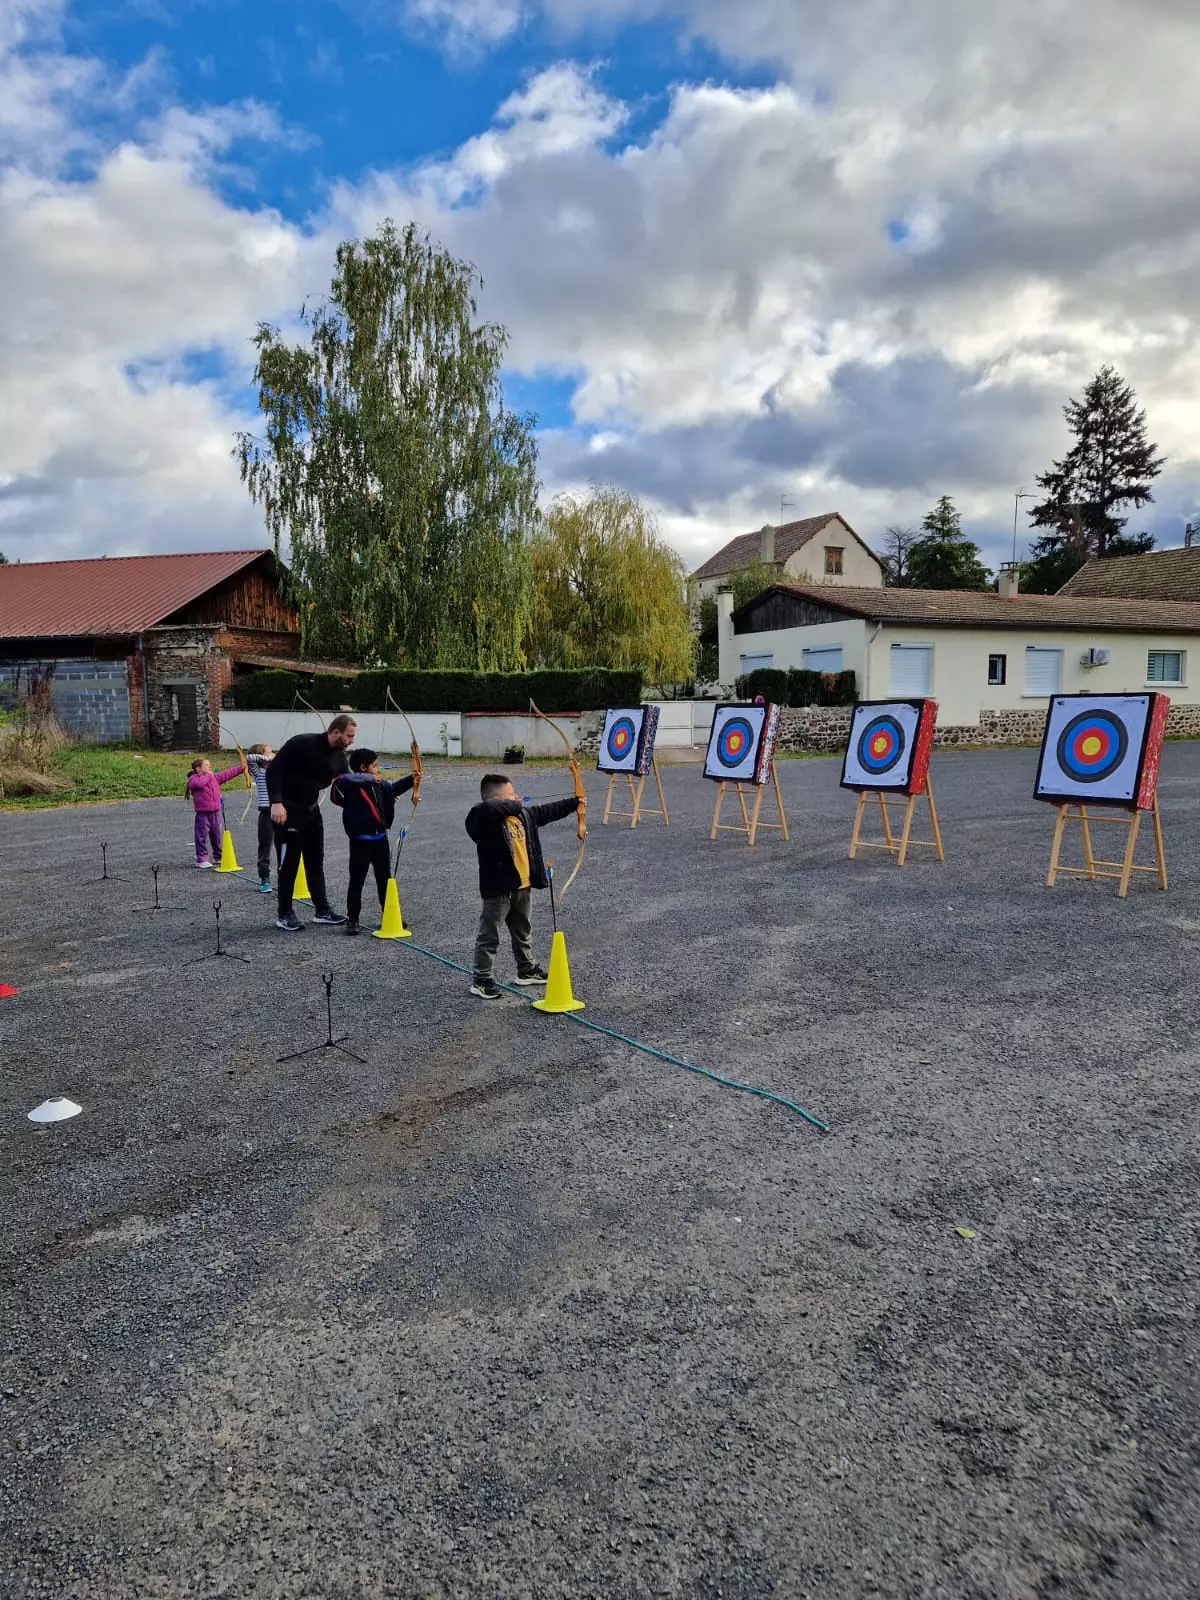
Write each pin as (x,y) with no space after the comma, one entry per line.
(912,671)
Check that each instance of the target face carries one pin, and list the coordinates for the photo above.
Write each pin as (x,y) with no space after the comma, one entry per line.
(735,742)
(627,740)
(1094,748)
(881,745)
(883,738)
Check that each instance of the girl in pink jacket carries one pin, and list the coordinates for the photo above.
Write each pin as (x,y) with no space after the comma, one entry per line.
(204,788)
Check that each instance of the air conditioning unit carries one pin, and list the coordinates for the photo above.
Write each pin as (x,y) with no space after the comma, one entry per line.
(1094,658)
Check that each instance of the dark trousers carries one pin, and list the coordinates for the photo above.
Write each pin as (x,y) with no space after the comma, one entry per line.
(303,834)
(365,854)
(513,911)
(266,833)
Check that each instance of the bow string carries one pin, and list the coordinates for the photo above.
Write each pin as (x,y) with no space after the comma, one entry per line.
(580,795)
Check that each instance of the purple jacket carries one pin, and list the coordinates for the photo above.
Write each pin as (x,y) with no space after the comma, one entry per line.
(205,787)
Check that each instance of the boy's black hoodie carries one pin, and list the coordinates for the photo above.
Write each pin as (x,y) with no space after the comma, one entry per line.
(368,803)
(485,824)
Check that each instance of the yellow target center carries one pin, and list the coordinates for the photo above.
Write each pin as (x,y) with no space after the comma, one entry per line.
(1092,745)
(879,744)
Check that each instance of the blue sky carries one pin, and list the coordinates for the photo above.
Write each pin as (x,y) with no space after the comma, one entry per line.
(856,258)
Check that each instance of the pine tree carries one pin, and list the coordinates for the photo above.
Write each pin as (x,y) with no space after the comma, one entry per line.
(1110,465)
(943,557)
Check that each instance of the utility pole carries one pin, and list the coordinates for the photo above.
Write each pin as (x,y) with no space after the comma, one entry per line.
(1017,498)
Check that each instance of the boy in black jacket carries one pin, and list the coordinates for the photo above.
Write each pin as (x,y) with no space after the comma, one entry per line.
(368,810)
(505,831)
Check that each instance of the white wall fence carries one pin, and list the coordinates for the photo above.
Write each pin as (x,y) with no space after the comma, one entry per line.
(438,732)
(681,724)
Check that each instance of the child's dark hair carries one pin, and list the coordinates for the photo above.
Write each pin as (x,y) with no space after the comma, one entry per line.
(198,763)
(360,760)
(491,784)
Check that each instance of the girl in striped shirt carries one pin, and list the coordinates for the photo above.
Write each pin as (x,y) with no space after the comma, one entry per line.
(258,759)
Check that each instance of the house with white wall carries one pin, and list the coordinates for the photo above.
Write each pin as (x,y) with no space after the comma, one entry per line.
(816,550)
(973,652)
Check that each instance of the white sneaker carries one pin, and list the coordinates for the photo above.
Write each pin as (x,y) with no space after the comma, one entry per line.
(203,864)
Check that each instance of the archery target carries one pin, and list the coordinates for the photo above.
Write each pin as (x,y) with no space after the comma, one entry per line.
(883,739)
(733,744)
(1093,748)
(622,740)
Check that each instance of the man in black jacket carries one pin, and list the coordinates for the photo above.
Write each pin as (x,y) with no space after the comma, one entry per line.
(307,763)
(505,831)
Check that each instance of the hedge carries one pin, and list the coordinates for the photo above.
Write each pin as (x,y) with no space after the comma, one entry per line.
(798,687)
(592,689)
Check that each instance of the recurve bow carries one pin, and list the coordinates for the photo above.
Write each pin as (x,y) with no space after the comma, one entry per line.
(580,794)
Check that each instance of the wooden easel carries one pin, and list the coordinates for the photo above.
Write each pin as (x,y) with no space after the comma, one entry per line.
(893,846)
(635,797)
(750,823)
(1121,870)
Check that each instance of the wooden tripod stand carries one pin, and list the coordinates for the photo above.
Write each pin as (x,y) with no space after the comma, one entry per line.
(1121,870)
(750,823)
(894,846)
(636,786)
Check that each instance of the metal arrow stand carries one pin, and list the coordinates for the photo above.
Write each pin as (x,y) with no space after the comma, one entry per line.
(158,905)
(329,1042)
(229,955)
(106,876)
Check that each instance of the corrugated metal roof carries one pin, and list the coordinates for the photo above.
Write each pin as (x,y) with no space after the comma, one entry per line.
(959,608)
(117,595)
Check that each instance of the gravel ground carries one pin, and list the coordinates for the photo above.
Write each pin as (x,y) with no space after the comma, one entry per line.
(516,1310)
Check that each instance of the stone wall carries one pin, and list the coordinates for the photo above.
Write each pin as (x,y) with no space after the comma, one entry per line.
(91,698)
(188,654)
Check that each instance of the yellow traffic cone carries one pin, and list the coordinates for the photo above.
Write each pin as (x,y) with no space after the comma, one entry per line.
(558,997)
(392,926)
(229,860)
(300,892)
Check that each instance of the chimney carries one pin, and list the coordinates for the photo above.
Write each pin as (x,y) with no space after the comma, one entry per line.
(726,658)
(1010,580)
(766,545)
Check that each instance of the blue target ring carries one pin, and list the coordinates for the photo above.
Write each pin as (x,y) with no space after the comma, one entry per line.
(735,742)
(881,745)
(1092,746)
(622,737)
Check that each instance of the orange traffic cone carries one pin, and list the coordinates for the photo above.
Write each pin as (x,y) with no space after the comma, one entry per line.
(392,926)
(558,997)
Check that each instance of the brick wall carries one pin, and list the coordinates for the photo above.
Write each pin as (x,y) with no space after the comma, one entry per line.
(91,698)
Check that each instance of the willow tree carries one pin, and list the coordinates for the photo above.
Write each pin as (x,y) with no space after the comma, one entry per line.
(401,488)
(607,591)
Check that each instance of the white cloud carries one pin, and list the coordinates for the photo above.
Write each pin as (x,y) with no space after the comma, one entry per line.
(873,281)
(467,25)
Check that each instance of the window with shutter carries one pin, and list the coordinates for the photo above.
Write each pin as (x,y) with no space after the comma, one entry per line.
(1043,670)
(753,663)
(1164,666)
(823,660)
(911,670)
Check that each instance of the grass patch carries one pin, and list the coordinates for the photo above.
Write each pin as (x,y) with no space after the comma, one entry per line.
(95,773)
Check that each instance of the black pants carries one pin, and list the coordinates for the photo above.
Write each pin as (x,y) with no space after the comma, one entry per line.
(266,833)
(365,854)
(303,834)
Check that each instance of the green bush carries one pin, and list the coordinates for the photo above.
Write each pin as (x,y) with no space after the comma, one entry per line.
(770,682)
(821,688)
(593,689)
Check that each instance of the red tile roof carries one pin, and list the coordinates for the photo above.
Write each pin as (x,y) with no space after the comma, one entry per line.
(117,595)
(789,537)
